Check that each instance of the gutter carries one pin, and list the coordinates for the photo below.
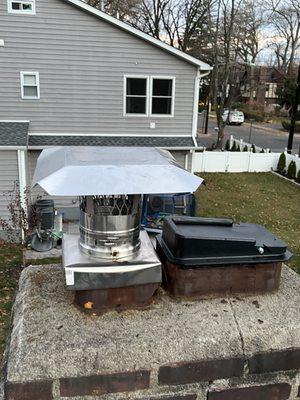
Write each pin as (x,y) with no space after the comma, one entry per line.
(160,147)
(12,148)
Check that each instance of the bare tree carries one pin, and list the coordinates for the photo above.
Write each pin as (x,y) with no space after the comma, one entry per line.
(285,19)
(123,9)
(251,21)
(225,54)
(186,23)
(149,16)
(177,22)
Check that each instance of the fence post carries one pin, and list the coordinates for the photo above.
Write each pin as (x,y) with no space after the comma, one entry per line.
(203,163)
(227,155)
(249,159)
(192,161)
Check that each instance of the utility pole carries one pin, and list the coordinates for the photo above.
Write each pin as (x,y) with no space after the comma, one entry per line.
(206,117)
(294,114)
(250,132)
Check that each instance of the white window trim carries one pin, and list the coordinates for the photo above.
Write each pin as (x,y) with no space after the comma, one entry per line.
(22,73)
(149,79)
(125,114)
(172,78)
(10,10)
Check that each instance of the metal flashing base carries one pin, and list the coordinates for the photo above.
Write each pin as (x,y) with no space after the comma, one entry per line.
(84,272)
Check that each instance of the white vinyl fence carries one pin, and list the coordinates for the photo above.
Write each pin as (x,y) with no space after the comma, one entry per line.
(228,161)
(290,158)
(242,144)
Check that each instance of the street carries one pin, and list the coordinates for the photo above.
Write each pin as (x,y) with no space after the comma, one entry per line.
(267,136)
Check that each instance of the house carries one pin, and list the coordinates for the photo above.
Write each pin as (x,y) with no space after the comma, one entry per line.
(261,83)
(73,75)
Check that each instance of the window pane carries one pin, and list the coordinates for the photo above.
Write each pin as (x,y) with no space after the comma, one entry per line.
(136,105)
(162,87)
(27,6)
(29,80)
(15,6)
(161,105)
(136,86)
(30,91)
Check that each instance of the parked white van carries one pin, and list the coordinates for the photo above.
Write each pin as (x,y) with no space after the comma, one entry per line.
(235,117)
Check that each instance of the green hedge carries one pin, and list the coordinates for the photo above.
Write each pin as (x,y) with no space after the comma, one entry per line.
(258,116)
(287,124)
(292,170)
(254,111)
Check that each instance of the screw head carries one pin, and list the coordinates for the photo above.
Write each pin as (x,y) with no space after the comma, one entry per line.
(261,250)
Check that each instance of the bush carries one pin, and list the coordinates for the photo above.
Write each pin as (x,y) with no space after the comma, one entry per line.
(298,177)
(286,124)
(238,148)
(256,115)
(292,170)
(281,164)
(227,145)
(262,151)
(233,148)
(253,148)
(245,148)
(253,111)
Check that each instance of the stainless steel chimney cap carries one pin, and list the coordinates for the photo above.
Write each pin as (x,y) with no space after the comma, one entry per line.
(89,170)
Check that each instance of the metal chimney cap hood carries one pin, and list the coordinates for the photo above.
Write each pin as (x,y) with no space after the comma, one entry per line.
(89,170)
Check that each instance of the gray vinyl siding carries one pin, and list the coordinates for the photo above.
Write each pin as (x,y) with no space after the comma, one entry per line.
(8,176)
(180,155)
(82,61)
(60,202)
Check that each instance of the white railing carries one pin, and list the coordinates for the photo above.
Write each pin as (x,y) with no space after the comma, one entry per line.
(228,161)
(242,144)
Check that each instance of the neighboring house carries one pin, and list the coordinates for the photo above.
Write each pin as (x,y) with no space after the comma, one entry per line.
(73,75)
(260,83)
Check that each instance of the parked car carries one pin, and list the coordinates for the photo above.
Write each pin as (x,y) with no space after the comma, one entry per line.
(235,117)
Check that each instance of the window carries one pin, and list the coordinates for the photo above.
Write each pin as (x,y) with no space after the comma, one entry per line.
(30,86)
(136,95)
(144,96)
(21,7)
(162,96)
(271,89)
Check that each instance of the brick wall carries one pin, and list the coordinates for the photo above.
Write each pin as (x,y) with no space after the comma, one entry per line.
(264,376)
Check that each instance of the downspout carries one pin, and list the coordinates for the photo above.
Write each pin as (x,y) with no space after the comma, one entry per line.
(198,78)
(22,181)
(22,155)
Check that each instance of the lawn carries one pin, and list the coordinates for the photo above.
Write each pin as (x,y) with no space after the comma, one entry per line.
(261,198)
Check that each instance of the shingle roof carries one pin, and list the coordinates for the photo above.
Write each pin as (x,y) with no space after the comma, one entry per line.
(13,133)
(199,142)
(111,141)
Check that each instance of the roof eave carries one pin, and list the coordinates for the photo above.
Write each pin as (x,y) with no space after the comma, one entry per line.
(144,36)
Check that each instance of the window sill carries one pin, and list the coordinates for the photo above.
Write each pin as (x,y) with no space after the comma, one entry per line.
(147,116)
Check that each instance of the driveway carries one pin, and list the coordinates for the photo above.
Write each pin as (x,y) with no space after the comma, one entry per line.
(266,136)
